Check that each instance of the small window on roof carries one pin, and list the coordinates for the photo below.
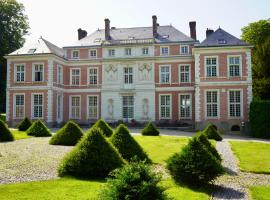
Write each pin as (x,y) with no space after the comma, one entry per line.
(131,37)
(165,36)
(31,50)
(97,40)
(222,41)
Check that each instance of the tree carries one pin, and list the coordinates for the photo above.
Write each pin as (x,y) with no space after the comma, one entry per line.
(13,26)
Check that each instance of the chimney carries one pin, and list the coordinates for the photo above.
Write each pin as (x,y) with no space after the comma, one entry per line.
(209,32)
(107,29)
(81,33)
(192,26)
(155,25)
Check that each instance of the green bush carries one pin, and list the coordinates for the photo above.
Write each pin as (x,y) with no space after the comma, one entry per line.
(203,139)
(134,181)
(92,157)
(38,129)
(259,119)
(127,145)
(68,135)
(212,133)
(194,165)
(24,125)
(5,134)
(104,127)
(150,129)
(3,117)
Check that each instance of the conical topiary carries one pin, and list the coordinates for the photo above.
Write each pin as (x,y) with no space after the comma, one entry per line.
(127,145)
(150,129)
(194,165)
(212,133)
(203,139)
(104,127)
(5,133)
(38,129)
(92,157)
(24,125)
(68,135)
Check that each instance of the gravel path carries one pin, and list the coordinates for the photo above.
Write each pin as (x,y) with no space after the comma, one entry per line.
(29,160)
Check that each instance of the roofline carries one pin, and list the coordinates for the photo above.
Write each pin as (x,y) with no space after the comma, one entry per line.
(222,46)
(37,54)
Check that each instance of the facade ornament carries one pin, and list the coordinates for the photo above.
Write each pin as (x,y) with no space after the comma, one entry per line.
(145,72)
(111,73)
(145,108)
(110,108)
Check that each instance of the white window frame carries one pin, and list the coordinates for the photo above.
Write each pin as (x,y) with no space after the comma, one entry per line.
(70,107)
(189,73)
(15,106)
(72,55)
(33,72)
(70,82)
(218,104)
(87,100)
(164,54)
(184,53)
(128,51)
(170,74)
(110,54)
(88,75)
(90,53)
(15,72)
(160,117)
(59,78)
(240,65)
(241,104)
(217,66)
(179,105)
(144,50)
(128,75)
(128,106)
(32,106)
(59,110)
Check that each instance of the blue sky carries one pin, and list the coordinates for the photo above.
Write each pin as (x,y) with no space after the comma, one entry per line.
(58,20)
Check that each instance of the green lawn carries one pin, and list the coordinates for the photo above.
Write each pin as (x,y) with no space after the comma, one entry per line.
(19,134)
(252,156)
(260,192)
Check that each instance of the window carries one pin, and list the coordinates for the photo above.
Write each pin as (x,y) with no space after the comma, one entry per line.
(19,73)
(165,74)
(128,107)
(185,106)
(37,105)
(184,49)
(111,52)
(235,103)
(234,65)
(211,67)
(93,53)
(93,76)
(145,51)
(59,107)
(128,75)
(128,51)
(92,107)
(19,106)
(75,107)
(165,106)
(38,72)
(75,76)
(212,104)
(75,54)
(164,51)
(184,73)
(59,74)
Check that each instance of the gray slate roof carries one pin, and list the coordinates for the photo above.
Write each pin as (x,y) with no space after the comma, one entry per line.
(221,38)
(167,34)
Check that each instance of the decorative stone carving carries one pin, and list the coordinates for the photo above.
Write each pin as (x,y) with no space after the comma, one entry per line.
(110,108)
(145,108)
(145,72)
(111,73)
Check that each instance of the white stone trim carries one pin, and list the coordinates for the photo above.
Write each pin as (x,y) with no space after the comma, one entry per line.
(249,67)
(50,72)
(14,105)
(160,89)
(179,106)
(223,83)
(87,105)
(249,95)
(54,88)
(7,105)
(70,102)
(8,73)
(32,106)
(197,68)
(197,105)
(49,105)
(159,106)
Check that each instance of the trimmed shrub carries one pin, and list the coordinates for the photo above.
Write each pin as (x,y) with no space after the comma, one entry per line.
(127,145)
(203,139)
(3,117)
(134,181)
(68,135)
(104,127)
(92,157)
(150,129)
(24,125)
(38,129)
(5,133)
(212,133)
(259,119)
(194,165)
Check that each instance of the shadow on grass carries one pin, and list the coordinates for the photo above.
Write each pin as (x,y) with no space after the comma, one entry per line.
(223,192)
(100,180)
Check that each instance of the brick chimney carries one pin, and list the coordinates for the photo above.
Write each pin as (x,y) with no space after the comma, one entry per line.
(107,29)
(81,33)
(208,32)
(155,25)
(192,26)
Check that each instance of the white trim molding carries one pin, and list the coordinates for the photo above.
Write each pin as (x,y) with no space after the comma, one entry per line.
(218,103)
(32,106)
(170,73)
(87,105)
(249,66)
(241,103)
(217,66)
(70,103)
(159,106)
(179,106)
(197,67)
(14,105)
(49,105)
(197,104)
(240,65)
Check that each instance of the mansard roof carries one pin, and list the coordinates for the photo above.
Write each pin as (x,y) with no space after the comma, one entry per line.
(221,38)
(166,34)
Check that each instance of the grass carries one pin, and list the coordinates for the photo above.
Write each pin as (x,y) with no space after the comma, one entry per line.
(19,134)
(260,192)
(252,156)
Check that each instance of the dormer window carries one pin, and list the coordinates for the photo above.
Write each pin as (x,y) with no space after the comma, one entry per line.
(165,36)
(131,38)
(184,49)
(111,52)
(222,41)
(97,40)
(75,54)
(128,51)
(31,51)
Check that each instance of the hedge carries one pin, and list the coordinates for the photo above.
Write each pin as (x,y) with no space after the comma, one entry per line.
(105,128)
(24,125)
(150,129)
(5,134)
(38,129)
